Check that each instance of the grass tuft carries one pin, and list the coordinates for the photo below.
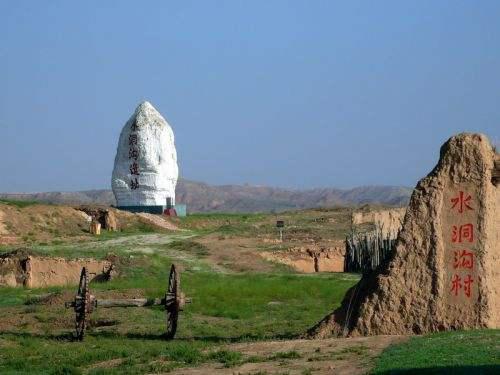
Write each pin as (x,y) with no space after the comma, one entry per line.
(227,357)
(292,354)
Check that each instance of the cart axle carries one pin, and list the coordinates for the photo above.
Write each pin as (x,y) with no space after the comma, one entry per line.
(84,303)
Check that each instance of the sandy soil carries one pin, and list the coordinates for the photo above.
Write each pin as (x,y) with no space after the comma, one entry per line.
(6,237)
(330,356)
(3,229)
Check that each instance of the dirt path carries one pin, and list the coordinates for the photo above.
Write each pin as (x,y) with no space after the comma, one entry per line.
(235,254)
(146,239)
(148,244)
(330,356)
(134,242)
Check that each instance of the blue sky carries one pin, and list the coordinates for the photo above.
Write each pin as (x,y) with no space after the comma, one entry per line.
(285,93)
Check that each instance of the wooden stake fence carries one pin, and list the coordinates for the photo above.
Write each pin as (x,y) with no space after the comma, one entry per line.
(366,251)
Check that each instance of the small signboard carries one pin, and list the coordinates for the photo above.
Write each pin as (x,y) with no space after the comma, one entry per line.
(280,224)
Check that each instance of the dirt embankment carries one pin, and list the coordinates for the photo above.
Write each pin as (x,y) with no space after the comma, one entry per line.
(20,268)
(388,220)
(40,223)
(43,272)
(45,223)
(309,259)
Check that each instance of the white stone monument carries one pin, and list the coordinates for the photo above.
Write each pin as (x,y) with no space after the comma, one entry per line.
(145,172)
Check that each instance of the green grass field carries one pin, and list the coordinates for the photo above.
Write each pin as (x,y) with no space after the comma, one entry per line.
(227,307)
(462,352)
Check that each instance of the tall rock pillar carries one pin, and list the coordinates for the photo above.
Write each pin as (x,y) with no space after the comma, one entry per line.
(445,271)
(145,171)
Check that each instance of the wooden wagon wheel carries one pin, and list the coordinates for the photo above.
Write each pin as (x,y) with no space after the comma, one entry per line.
(172,307)
(82,305)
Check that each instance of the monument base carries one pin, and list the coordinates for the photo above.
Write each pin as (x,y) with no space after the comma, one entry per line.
(180,209)
(158,210)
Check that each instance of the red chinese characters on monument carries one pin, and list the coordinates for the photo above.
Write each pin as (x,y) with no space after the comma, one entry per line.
(462,202)
(463,260)
(133,153)
(462,233)
(459,284)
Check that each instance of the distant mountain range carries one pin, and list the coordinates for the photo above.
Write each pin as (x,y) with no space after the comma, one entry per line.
(201,197)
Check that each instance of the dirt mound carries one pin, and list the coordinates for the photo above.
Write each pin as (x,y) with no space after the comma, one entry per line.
(21,268)
(444,273)
(309,259)
(158,221)
(40,223)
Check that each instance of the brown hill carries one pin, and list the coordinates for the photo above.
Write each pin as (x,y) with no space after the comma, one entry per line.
(201,197)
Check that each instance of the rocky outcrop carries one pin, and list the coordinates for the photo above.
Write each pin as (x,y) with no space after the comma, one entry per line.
(145,171)
(12,268)
(445,273)
(104,216)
